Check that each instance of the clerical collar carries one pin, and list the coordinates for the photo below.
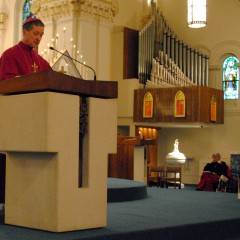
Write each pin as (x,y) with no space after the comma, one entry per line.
(24,46)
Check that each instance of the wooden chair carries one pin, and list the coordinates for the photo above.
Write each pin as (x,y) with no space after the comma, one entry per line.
(155,174)
(173,176)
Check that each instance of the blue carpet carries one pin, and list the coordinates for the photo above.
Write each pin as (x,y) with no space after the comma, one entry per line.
(165,214)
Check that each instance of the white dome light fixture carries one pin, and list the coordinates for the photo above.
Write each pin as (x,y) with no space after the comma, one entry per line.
(197,13)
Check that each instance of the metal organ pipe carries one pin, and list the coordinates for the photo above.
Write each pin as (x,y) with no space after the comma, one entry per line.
(180,54)
(172,55)
(192,64)
(164,59)
(195,67)
(169,43)
(184,57)
(188,62)
(176,50)
(199,69)
(206,70)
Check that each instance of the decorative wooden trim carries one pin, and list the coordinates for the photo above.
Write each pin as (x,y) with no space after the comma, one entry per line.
(148,105)
(57,82)
(180,104)
(197,105)
(213,109)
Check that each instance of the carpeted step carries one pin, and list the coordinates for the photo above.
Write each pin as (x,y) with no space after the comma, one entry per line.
(121,190)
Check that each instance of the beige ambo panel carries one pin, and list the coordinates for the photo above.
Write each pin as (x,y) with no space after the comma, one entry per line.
(39,134)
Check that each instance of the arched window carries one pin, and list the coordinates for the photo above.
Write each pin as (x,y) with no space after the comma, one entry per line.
(27,10)
(231,78)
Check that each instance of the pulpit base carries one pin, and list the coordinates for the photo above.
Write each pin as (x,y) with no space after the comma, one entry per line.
(39,132)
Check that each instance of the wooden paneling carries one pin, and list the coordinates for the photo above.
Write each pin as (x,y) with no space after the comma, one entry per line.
(130,53)
(121,165)
(113,165)
(150,140)
(198,104)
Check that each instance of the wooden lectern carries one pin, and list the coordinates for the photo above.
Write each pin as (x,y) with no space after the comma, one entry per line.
(39,133)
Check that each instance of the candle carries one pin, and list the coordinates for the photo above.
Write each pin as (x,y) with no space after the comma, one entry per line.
(84,71)
(48,53)
(57,41)
(71,41)
(52,42)
(53,54)
(64,38)
(73,51)
(45,53)
(77,57)
(81,66)
(66,68)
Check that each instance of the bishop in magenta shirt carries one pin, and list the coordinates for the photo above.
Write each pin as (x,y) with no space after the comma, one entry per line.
(21,60)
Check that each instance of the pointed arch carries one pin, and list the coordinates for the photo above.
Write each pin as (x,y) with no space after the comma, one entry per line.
(230,77)
(18,19)
(26,11)
(148,105)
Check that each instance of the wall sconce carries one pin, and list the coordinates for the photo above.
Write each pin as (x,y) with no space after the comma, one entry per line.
(150,2)
(197,13)
(140,134)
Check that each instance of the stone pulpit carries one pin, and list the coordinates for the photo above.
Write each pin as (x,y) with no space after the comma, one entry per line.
(55,179)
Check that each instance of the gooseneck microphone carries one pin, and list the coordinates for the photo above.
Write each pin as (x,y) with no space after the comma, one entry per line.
(95,77)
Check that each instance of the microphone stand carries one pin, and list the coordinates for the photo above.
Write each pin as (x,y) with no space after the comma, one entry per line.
(95,77)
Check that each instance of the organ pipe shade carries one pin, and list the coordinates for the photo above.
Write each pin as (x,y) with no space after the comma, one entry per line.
(197,13)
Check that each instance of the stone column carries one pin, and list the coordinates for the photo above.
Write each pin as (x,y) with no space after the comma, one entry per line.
(85,21)
(3,19)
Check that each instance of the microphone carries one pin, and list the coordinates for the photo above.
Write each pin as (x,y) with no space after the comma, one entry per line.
(95,77)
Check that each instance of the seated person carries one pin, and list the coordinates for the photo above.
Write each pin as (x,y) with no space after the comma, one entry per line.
(212,172)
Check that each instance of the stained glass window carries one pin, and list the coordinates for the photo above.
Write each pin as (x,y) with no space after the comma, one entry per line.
(231,78)
(27,10)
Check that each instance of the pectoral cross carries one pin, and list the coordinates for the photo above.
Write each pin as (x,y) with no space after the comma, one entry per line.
(35,67)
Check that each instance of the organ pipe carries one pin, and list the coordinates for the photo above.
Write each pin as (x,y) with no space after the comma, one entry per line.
(164,58)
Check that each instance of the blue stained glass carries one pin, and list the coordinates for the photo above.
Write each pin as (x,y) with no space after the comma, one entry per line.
(231,78)
(27,10)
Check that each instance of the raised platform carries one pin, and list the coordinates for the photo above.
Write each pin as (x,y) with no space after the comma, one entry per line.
(122,190)
(170,214)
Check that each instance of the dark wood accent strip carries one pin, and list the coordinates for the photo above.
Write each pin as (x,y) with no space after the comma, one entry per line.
(130,53)
(58,82)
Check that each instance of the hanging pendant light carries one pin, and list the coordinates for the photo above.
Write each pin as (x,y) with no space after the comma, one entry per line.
(197,15)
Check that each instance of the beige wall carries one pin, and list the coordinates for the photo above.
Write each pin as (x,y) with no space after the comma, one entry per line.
(222,21)
(198,144)
(218,39)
